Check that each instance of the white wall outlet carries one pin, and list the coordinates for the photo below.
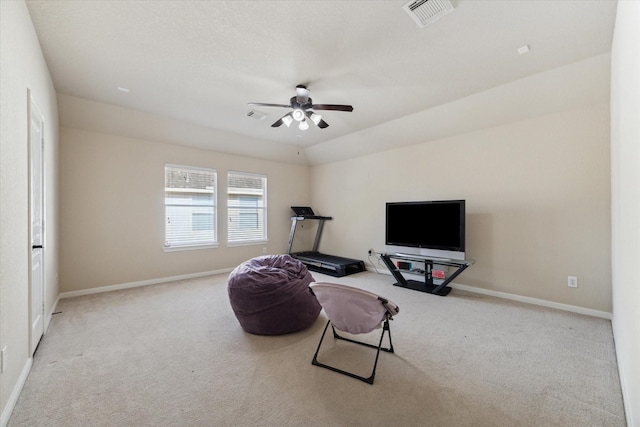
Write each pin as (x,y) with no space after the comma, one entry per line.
(572,281)
(3,359)
(264,250)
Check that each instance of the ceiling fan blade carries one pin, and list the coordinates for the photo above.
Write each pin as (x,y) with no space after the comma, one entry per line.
(334,107)
(302,94)
(262,104)
(315,118)
(282,120)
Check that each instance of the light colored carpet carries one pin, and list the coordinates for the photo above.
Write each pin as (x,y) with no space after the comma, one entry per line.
(174,355)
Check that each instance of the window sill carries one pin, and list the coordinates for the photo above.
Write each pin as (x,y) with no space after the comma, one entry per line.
(189,248)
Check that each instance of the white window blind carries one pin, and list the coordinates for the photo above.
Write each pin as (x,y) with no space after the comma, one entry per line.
(190,206)
(247,207)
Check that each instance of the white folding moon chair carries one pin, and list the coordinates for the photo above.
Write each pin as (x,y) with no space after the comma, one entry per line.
(354,311)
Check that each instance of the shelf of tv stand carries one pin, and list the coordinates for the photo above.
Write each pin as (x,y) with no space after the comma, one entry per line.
(429,285)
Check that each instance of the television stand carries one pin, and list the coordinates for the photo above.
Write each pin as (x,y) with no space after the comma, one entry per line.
(430,284)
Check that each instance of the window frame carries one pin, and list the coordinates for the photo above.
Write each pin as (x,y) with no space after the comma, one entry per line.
(265,236)
(205,244)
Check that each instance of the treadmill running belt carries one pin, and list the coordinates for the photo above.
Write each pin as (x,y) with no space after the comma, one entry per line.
(329,264)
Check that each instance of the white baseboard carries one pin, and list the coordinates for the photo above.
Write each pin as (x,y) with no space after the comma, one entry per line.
(141,283)
(528,300)
(22,379)
(623,383)
(15,394)
(535,301)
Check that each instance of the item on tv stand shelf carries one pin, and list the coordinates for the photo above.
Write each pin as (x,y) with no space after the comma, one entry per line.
(438,274)
(428,285)
(402,265)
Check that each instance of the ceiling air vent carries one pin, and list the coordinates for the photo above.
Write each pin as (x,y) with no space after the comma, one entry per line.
(425,12)
(257,114)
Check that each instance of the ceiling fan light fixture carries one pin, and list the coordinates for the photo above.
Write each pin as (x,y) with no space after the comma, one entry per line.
(302,108)
(315,118)
(287,120)
(298,114)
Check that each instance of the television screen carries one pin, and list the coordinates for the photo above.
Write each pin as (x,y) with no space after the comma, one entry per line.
(428,224)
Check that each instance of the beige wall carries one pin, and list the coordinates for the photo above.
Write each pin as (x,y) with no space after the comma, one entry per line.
(537,191)
(537,195)
(22,67)
(112,201)
(625,201)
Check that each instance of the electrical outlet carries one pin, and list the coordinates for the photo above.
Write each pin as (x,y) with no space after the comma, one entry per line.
(264,250)
(572,281)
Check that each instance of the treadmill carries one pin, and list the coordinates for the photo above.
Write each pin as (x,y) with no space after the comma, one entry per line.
(322,263)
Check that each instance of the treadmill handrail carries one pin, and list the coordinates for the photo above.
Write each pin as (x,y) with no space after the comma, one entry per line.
(294,222)
(302,218)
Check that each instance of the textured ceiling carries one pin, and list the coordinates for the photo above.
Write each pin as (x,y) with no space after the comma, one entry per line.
(203,61)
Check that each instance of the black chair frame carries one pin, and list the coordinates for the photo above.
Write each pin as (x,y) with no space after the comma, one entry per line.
(369,379)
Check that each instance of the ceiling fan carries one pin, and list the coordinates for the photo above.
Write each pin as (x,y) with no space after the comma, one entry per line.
(303,107)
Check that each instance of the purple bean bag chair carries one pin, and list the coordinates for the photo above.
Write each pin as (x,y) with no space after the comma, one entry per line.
(269,295)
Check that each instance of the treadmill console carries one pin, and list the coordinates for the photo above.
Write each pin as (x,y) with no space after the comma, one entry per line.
(302,211)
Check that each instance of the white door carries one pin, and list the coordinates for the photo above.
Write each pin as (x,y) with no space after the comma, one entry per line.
(36,291)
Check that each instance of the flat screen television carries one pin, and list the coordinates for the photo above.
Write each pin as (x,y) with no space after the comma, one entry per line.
(429,228)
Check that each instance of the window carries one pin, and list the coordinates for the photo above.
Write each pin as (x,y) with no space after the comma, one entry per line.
(190,207)
(247,207)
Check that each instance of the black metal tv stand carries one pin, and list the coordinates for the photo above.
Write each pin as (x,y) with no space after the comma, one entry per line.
(329,264)
(430,285)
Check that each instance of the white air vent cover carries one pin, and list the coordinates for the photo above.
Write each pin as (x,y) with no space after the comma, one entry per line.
(424,12)
(257,114)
